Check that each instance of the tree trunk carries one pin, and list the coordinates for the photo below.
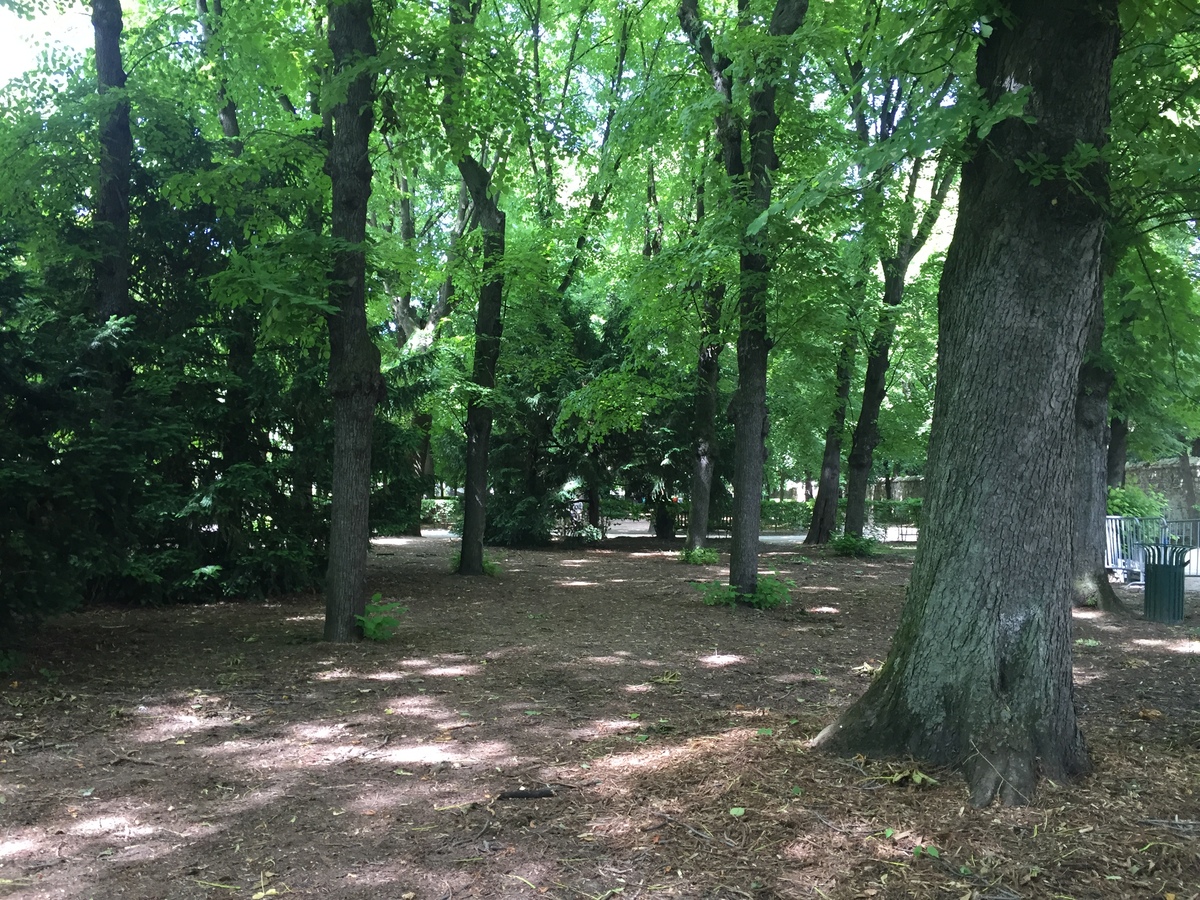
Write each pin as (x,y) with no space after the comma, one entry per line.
(980,669)
(866,433)
(751,197)
(824,517)
(354,377)
(1091,495)
(116,150)
(1118,451)
(704,417)
(488,329)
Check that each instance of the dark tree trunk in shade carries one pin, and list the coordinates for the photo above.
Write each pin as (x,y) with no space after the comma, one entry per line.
(116,150)
(866,433)
(704,407)
(488,327)
(1118,451)
(980,670)
(354,377)
(824,517)
(1091,493)
(1187,481)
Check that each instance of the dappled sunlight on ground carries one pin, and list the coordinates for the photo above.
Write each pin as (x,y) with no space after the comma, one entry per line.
(1178,645)
(650,747)
(720,660)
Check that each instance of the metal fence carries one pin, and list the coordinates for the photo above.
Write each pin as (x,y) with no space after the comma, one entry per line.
(1125,537)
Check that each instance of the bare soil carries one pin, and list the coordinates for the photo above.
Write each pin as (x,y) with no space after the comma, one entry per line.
(223,751)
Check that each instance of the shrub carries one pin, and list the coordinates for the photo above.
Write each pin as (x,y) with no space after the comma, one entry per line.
(771,594)
(699,556)
(380,622)
(857,547)
(1133,501)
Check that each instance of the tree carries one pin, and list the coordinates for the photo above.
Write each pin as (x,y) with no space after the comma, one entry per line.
(751,184)
(979,673)
(116,149)
(354,378)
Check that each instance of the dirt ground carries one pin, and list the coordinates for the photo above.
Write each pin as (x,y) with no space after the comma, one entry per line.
(223,751)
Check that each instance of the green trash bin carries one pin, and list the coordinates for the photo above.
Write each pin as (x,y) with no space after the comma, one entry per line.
(1165,564)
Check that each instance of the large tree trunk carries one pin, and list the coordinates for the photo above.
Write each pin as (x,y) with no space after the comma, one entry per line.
(980,669)
(354,377)
(824,517)
(116,149)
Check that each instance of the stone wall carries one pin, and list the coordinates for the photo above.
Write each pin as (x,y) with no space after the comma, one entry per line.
(1169,477)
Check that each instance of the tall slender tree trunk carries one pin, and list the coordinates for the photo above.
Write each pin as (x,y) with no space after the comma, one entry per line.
(488,328)
(751,196)
(116,151)
(861,458)
(1118,450)
(1091,495)
(354,376)
(824,518)
(488,325)
(704,418)
(979,673)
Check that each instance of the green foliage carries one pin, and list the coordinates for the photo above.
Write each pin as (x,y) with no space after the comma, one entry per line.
(786,515)
(854,546)
(896,512)
(1133,501)
(381,619)
(442,513)
(699,556)
(772,593)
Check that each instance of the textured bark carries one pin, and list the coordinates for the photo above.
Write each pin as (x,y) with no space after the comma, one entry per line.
(751,196)
(824,518)
(1118,450)
(111,216)
(354,377)
(980,669)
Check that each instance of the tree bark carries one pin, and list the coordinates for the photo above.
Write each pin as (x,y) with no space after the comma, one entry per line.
(1118,450)
(227,114)
(111,216)
(354,376)
(824,517)
(980,669)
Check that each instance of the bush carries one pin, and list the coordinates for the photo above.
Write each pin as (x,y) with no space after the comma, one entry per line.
(442,513)
(786,515)
(854,546)
(700,556)
(896,512)
(381,619)
(1133,501)
(771,594)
